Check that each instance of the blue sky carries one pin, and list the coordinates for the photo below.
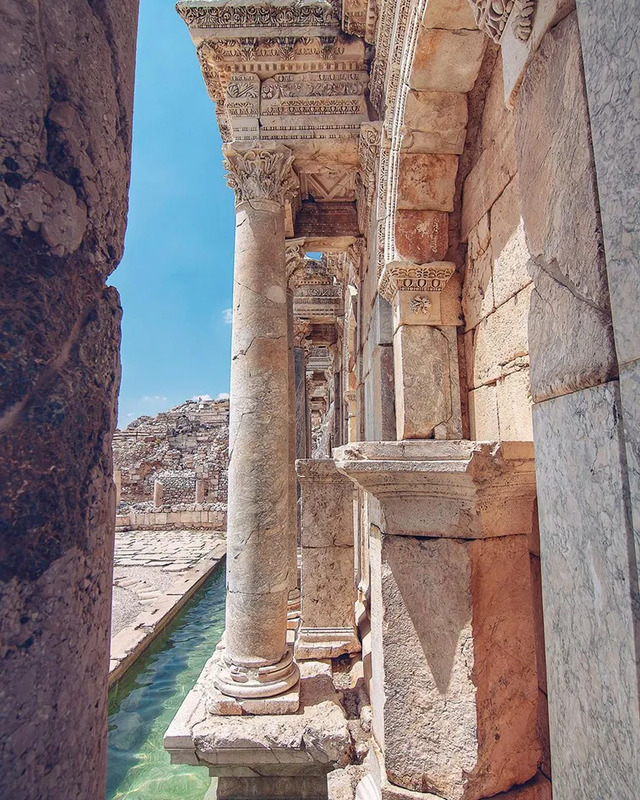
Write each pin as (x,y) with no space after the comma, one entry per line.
(175,279)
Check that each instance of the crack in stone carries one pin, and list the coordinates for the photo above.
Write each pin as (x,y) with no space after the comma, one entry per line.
(552,269)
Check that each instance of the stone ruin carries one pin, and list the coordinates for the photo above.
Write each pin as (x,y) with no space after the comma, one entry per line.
(465,451)
(171,469)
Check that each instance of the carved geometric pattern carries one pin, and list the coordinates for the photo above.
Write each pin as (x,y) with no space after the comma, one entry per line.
(326,185)
(225,15)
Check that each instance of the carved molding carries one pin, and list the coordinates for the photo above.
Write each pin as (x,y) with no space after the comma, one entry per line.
(260,172)
(258,15)
(422,278)
(492,17)
(368,147)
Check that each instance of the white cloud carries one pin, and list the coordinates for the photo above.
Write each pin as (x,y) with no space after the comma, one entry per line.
(153,398)
(200,397)
(227,316)
(222,396)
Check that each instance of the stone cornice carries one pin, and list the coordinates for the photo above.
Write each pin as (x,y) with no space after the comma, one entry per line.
(237,14)
(260,172)
(461,489)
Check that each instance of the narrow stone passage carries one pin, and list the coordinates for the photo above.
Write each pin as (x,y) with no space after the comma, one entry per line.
(143,704)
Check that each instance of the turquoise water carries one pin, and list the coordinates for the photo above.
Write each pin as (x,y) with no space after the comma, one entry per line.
(145,701)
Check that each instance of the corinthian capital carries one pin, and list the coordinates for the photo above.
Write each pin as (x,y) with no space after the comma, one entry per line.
(260,171)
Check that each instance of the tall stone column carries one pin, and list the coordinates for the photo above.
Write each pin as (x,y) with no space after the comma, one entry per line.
(256,662)
(293,606)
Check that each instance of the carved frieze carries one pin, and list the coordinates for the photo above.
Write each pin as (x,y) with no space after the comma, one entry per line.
(260,172)
(242,96)
(320,84)
(258,15)
(492,17)
(280,50)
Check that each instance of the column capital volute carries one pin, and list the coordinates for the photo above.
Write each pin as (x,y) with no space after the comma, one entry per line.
(260,173)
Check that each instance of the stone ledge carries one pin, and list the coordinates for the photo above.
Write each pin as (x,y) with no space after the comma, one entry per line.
(131,642)
(322,643)
(312,741)
(459,489)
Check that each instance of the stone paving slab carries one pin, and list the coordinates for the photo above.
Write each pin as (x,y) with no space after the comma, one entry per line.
(155,574)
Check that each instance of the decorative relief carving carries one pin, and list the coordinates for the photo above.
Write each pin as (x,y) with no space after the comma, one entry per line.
(492,16)
(314,105)
(294,256)
(368,146)
(260,173)
(226,15)
(283,49)
(242,96)
(408,277)
(321,84)
(301,330)
(420,304)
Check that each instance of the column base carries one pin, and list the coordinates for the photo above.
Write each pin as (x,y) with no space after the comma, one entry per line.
(249,688)
(266,757)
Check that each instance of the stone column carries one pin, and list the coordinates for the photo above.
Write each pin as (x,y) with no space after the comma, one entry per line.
(293,605)
(426,312)
(256,662)
(200,490)
(158,494)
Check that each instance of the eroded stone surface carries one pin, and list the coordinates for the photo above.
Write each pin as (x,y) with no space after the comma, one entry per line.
(64,155)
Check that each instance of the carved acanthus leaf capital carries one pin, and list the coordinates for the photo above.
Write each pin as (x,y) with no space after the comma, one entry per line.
(260,172)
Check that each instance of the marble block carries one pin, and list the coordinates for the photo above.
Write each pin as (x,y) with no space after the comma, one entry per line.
(570,335)
(611,66)
(458,489)
(588,576)
(311,742)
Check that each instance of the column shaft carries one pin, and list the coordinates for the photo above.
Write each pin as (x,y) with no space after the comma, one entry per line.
(257,563)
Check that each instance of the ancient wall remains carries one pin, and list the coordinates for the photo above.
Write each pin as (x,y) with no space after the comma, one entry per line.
(172,468)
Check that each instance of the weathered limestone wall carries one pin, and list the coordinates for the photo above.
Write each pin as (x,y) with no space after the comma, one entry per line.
(66,91)
(589,566)
(497,283)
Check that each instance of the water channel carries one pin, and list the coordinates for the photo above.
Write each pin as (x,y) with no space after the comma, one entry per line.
(145,701)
